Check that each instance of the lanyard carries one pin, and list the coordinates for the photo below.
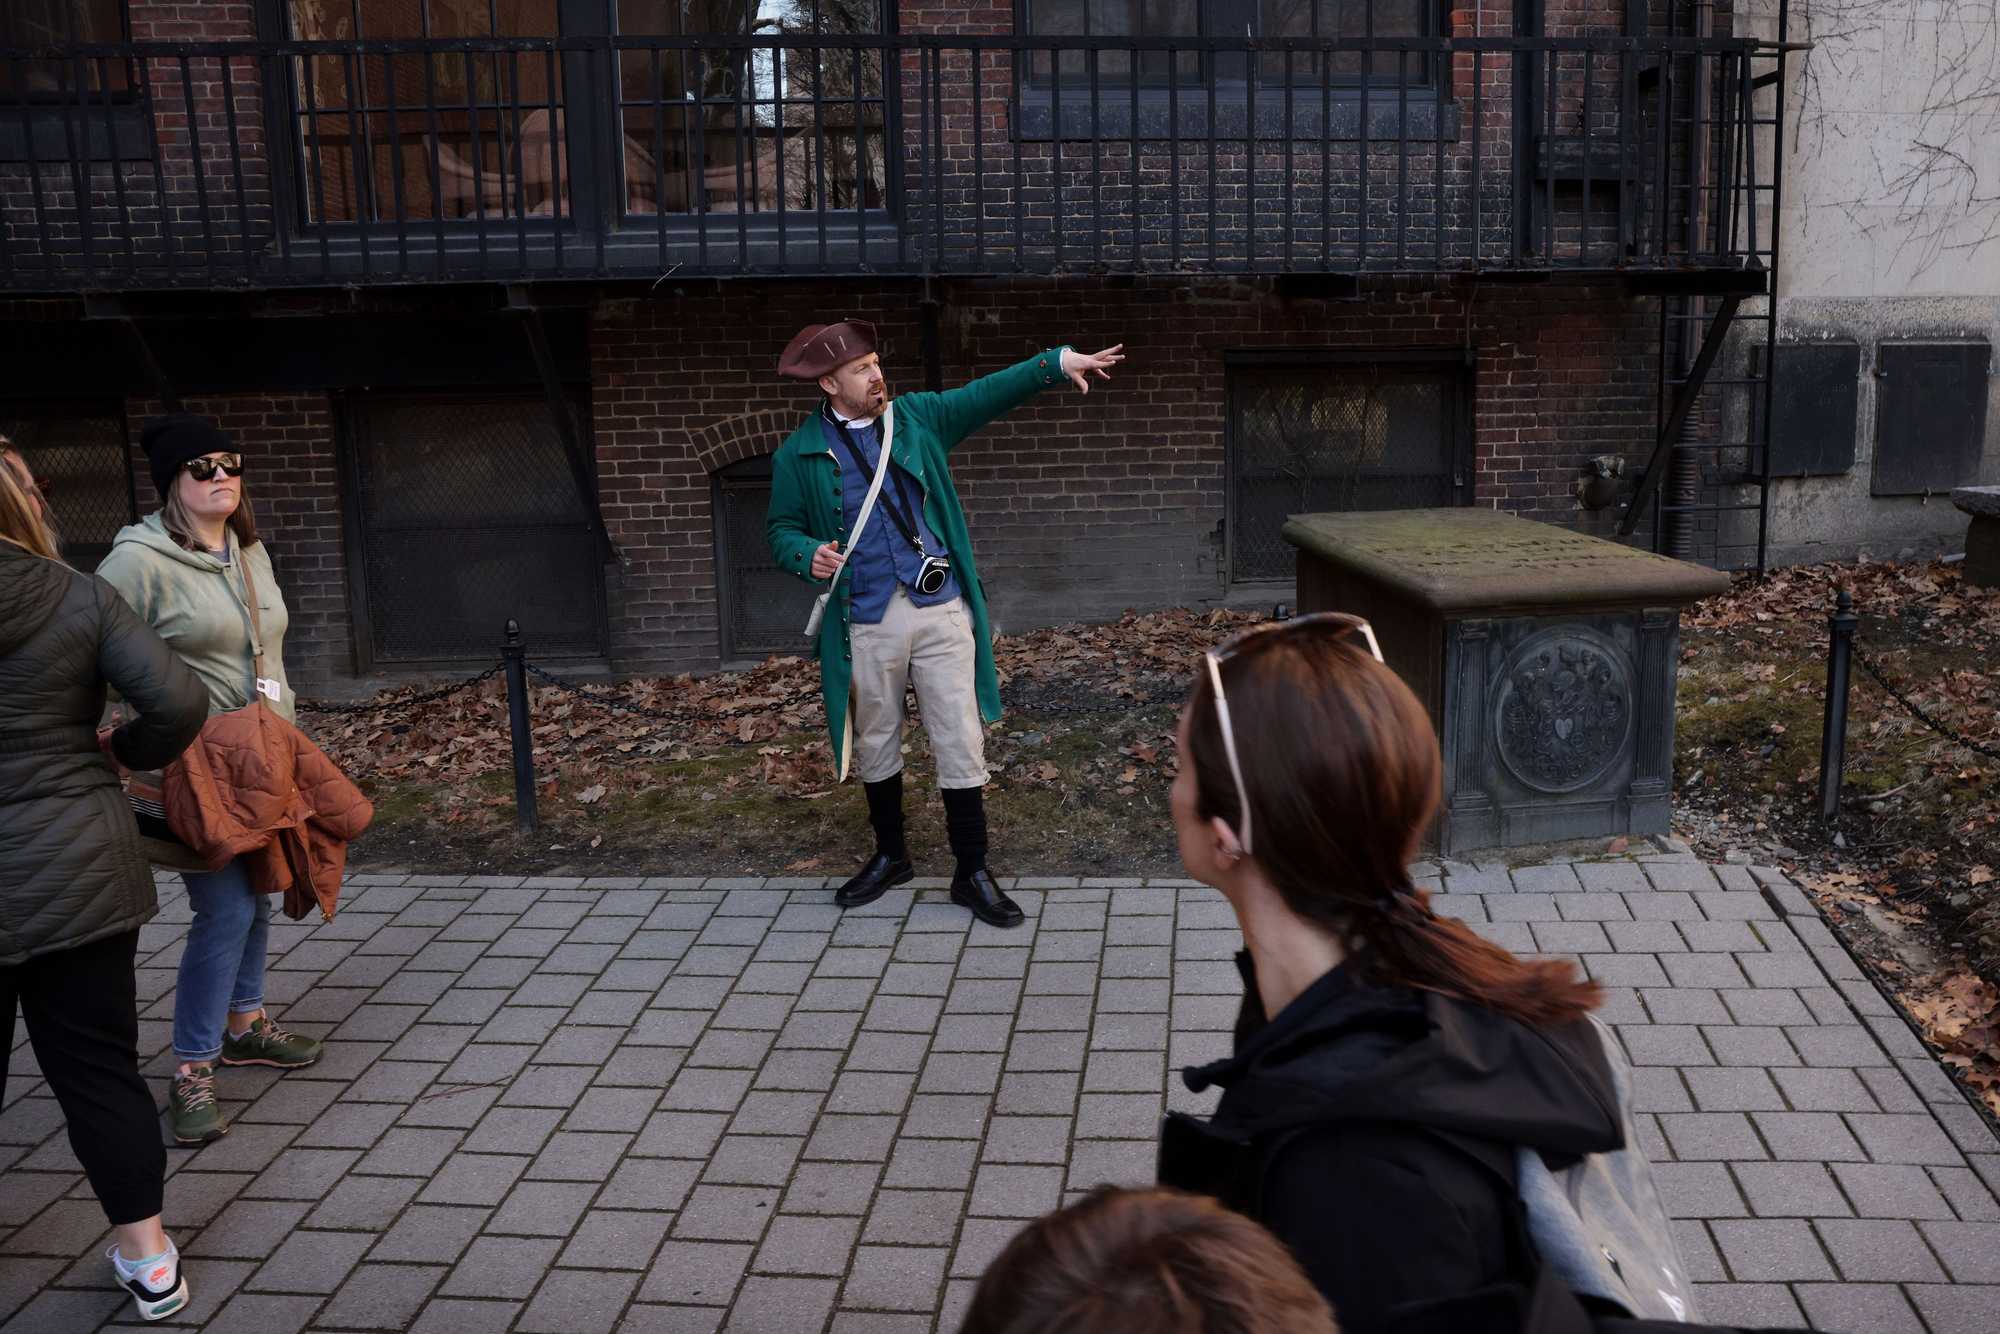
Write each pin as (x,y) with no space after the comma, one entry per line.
(905,525)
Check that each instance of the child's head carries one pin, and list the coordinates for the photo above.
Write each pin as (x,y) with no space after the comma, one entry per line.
(1146,1262)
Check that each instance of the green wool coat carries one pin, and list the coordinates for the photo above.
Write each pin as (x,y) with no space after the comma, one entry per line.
(922,430)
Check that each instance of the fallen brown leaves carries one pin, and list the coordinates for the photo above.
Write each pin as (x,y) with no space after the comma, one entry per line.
(1907,871)
(586,748)
(1960,1015)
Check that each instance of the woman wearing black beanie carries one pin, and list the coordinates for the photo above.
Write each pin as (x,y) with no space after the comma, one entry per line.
(189,570)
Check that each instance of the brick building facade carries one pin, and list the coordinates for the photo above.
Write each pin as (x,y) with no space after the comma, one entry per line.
(370,407)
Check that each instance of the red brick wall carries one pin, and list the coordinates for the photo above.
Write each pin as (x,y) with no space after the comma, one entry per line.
(1080,507)
(291,478)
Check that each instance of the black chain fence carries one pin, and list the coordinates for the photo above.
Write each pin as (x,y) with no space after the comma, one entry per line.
(1916,711)
(398,701)
(1065,697)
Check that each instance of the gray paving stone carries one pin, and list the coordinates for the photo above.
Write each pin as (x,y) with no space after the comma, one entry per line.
(649,1183)
(474,1179)
(616,1239)
(972,1033)
(726,1213)
(900,1278)
(506,1267)
(1790,1190)
(1569,937)
(844,1188)
(1681,877)
(781,1305)
(1879,1250)
(930,1164)
(359,1203)
(541,1209)
(248,1230)
(1661,906)
(429,1233)
(1665,1044)
(1891,1091)
(1684,1003)
(1716,937)
(1765,1048)
(1698,1253)
(1844,1046)
(1771,1250)
(578,1156)
(1903,1138)
(1970,1251)
(1732,1090)
(1955,1310)
(1704,1136)
(1698,1190)
(1132,1162)
(1891,1191)
(570,1302)
(1969,1196)
(1808,1136)
(797,1244)
(696,1272)
(381,1296)
(1858,1306)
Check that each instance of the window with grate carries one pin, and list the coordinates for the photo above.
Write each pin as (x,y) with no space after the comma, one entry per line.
(727,129)
(1314,438)
(80,451)
(482,133)
(465,514)
(763,609)
(1357,19)
(468,133)
(27,25)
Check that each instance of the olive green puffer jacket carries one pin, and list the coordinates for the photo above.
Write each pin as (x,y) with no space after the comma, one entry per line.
(71,869)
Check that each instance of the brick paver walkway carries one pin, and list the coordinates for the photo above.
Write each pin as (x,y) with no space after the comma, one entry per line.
(688,1106)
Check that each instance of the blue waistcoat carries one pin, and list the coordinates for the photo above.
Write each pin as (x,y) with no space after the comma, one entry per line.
(882,557)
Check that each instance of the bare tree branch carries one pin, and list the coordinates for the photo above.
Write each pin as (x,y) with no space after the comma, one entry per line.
(1929,199)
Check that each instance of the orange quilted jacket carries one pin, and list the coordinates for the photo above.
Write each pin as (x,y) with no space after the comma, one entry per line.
(252,784)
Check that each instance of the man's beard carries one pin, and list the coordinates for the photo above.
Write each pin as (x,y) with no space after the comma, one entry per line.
(871,406)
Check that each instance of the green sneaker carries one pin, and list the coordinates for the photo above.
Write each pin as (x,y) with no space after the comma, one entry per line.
(267,1044)
(193,1112)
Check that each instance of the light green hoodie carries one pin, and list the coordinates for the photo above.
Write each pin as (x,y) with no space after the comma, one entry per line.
(195,602)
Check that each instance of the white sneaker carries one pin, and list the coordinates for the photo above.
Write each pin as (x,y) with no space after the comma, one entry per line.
(157,1285)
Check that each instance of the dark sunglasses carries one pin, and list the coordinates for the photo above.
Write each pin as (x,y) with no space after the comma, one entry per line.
(204,469)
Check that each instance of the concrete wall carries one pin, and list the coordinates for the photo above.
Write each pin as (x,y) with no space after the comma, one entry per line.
(1884,240)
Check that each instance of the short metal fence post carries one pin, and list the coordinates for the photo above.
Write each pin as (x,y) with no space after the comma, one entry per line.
(1833,729)
(514,653)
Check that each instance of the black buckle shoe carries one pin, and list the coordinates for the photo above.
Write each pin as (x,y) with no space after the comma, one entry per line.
(980,893)
(873,879)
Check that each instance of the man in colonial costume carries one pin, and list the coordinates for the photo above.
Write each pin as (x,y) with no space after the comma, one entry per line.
(903,602)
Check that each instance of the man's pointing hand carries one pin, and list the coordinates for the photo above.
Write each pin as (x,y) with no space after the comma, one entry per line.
(1080,366)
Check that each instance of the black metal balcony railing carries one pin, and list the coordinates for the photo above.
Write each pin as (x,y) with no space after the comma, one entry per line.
(306,163)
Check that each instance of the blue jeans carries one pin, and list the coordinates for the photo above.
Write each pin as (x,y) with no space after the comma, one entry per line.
(222,965)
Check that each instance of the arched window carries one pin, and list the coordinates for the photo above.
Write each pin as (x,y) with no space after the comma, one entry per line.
(762,609)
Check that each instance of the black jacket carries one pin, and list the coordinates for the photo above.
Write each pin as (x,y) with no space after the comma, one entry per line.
(1372,1129)
(71,869)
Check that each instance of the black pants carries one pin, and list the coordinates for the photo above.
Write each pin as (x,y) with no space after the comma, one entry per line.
(82,1008)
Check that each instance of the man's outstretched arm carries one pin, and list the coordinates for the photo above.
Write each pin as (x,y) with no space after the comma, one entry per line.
(957,413)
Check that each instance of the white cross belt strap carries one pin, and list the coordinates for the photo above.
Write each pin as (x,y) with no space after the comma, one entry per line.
(860,522)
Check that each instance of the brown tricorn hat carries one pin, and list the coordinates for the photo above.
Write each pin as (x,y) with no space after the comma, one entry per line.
(821,349)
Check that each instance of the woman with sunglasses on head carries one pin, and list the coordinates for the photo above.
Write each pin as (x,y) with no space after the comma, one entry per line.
(1388,1062)
(188,570)
(74,885)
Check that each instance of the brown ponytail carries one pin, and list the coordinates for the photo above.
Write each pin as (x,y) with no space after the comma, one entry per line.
(1343,772)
